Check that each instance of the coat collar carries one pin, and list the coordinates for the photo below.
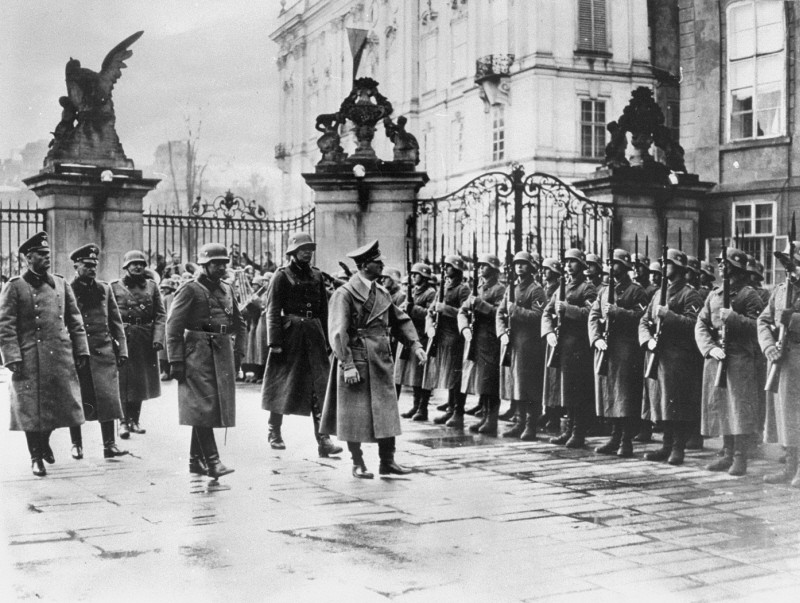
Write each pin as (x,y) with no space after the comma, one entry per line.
(361,292)
(37,280)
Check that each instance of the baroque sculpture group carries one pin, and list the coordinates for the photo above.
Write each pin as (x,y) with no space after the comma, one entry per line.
(565,341)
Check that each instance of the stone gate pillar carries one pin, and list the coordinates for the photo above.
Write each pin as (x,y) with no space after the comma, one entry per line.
(90,204)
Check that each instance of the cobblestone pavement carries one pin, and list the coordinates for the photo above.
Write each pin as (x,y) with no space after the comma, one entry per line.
(480,519)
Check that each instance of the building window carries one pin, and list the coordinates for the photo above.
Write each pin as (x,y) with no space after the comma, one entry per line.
(429,63)
(592,26)
(593,128)
(460,60)
(756,35)
(754,225)
(498,133)
(458,137)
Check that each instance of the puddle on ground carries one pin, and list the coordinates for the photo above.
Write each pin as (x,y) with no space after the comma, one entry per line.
(456,441)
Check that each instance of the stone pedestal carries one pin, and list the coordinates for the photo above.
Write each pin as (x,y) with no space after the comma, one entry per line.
(352,211)
(643,199)
(90,204)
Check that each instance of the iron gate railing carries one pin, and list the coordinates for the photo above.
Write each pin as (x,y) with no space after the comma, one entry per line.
(500,206)
(19,221)
(228,219)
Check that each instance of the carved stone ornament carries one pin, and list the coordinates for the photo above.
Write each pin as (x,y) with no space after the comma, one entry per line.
(330,142)
(644,120)
(86,133)
(406,147)
(365,107)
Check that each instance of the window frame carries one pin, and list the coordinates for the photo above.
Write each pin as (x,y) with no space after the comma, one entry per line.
(600,151)
(767,258)
(592,47)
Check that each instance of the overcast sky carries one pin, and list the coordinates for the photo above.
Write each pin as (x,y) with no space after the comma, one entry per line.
(211,60)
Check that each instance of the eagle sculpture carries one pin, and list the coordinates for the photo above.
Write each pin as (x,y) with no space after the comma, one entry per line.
(86,133)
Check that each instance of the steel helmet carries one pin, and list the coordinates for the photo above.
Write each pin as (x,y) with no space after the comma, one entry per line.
(575,254)
(133,256)
(298,240)
(552,264)
(212,251)
(677,257)
(422,269)
(736,258)
(454,261)
(523,257)
(708,270)
(392,273)
(693,264)
(655,267)
(490,260)
(623,257)
(640,259)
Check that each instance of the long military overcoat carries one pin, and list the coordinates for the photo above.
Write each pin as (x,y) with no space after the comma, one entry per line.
(407,371)
(41,326)
(481,376)
(100,380)
(524,321)
(732,410)
(443,371)
(297,321)
(551,388)
(679,374)
(575,356)
(359,321)
(618,394)
(144,316)
(200,310)
(785,407)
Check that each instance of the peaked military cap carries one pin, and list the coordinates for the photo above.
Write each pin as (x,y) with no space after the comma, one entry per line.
(37,242)
(455,261)
(299,240)
(421,269)
(368,253)
(489,259)
(623,257)
(87,254)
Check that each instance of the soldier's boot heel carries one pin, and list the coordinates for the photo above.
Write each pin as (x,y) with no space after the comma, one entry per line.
(564,436)
(645,434)
(511,413)
(677,455)
(124,431)
(612,445)
(788,472)
(739,466)
(489,428)
(414,408)
(445,418)
(475,427)
(422,410)
(662,454)
(726,460)
(456,421)
(515,431)
(327,448)
(274,438)
(474,410)
(531,423)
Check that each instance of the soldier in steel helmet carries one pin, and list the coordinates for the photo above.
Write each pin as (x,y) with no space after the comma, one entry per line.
(731,411)
(594,270)
(755,270)
(144,317)
(42,338)
(297,365)
(107,344)
(642,269)
(574,354)
(679,374)
(407,371)
(443,371)
(476,320)
(707,280)
(551,388)
(205,344)
(613,330)
(518,325)
(167,287)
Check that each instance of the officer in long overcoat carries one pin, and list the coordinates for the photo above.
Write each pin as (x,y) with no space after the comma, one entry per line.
(297,366)
(476,321)
(443,370)
(361,403)
(564,327)
(108,348)
(518,324)
(729,335)
(205,344)
(679,377)
(144,316)
(41,340)
(614,329)
(777,316)
(407,371)
(551,387)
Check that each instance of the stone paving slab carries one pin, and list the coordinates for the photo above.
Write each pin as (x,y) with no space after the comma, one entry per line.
(480,519)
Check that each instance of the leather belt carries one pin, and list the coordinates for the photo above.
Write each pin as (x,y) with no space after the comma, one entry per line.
(138,322)
(372,331)
(309,314)
(217,329)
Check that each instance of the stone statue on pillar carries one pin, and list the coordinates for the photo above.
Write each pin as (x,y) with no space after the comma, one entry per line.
(365,107)
(86,133)
(406,147)
(330,142)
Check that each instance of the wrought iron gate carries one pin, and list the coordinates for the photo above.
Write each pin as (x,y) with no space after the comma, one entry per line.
(498,207)
(19,221)
(228,219)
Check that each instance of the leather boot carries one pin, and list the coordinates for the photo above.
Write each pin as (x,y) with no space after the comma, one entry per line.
(422,409)
(208,445)
(134,412)
(789,469)
(34,448)
(325,447)
(474,410)
(510,413)
(443,419)
(457,420)
(645,433)
(77,442)
(563,438)
(110,449)
(522,416)
(739,466)
(484,416)
(449,409)
(388,466)
(680,436)
(662,454)
(413,410)
(724,462)
(489,428)
(274,431)
(694,440)
(578,437)
(197,464)
(359,467)
(613,443)
(124,431)
(47,452)
(629,425)
(531,423)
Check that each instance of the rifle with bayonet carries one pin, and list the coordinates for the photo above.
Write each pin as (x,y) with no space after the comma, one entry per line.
(774,371)
(405,354)
(471,350)
(511,278)
(721,378)
(433,342)
(601,356)
(554,353)
(651,361)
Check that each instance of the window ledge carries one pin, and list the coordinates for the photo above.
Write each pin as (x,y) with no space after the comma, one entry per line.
(593,54)
(755,143)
